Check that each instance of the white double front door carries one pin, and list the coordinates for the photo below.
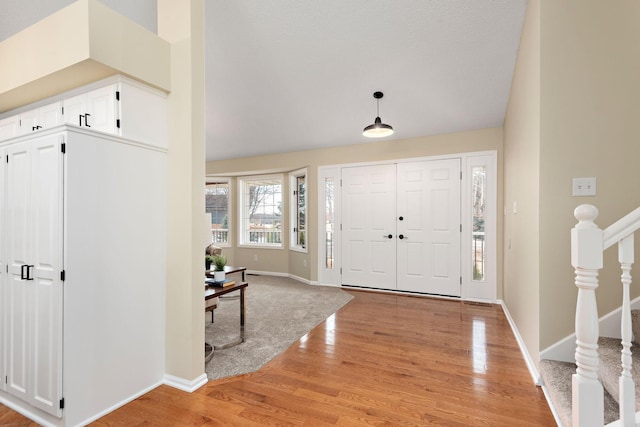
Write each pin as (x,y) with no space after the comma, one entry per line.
(401,226)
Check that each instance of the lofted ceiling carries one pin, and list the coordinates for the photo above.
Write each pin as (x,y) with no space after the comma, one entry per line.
(289,75)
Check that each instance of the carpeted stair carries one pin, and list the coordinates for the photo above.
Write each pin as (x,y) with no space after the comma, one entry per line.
(557,376)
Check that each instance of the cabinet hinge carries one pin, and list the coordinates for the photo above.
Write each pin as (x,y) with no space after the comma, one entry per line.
(62,110)
(460,175)
(118,123)
(63,148)
(62,403)
(117,95)
(6,379)
(461,228)
(62,275)
(461,280)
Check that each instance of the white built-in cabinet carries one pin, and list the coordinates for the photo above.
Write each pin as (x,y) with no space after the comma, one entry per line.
(82,249)
(118,106)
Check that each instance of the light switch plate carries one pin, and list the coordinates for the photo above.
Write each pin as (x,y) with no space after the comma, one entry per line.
(584,186)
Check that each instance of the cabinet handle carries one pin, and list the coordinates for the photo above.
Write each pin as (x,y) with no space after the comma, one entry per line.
(389,236)
(80,120)
(86,120)
(29,267)
(402,236)
(24,268)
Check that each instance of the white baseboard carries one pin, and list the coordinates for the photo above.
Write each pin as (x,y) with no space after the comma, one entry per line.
(185,385)
(533,369)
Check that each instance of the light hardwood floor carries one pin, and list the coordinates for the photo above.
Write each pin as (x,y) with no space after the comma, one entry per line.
(381,360)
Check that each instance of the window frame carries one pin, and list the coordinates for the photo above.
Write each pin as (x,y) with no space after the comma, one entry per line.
(243,230)
(230,222)
(294,210)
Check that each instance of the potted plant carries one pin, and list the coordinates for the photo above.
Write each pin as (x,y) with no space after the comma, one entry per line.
(208,260)
(219,262)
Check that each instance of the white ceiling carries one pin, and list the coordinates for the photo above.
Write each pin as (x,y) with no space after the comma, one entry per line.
(288,75)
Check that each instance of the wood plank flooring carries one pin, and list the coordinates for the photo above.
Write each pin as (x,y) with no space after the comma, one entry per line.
(386,360)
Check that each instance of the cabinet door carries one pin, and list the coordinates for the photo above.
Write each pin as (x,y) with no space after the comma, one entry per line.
(9,127)
(74,109)
(19,307)
(101,107)
(50,115)
(3,275)
(34,253)
(29,121)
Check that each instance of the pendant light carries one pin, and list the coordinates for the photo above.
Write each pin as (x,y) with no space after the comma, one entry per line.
(377,129)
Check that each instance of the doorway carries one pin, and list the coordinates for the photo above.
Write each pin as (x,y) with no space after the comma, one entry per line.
(401,226)
(421,225)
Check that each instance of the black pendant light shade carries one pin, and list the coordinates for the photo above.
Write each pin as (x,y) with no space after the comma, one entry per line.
(377,129)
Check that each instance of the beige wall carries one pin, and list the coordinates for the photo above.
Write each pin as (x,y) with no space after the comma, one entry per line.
(79,44)
(590,63)
(521,186)
(285,261)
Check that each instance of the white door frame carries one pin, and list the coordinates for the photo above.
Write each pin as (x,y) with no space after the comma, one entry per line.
(485,290)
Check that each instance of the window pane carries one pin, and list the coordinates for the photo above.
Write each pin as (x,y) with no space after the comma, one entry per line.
(262,209)
(478,189)
(301,211)
(329,220)
(217,205)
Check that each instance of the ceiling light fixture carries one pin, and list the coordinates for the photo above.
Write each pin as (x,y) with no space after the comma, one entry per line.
(377,129)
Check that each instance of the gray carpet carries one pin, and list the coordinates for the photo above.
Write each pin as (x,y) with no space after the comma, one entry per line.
(279,311)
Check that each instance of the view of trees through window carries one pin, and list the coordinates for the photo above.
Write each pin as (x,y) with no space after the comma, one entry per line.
(301,207)
(262,211)
(217,205)
(478,189)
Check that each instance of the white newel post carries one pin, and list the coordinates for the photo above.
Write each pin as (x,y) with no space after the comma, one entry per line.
(586,257)
(627,389)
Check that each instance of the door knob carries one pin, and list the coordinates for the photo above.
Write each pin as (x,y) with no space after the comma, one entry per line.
(390,236)
(400,218)
(402,236)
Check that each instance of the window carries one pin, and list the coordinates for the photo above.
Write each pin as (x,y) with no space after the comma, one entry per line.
(217,205)
(329,221)
(478,190)
(261,210)
(298,205)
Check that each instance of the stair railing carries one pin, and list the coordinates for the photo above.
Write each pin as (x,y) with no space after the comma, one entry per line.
(588,242)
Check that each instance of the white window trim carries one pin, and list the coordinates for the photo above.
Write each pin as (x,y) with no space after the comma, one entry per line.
(230,222)
(241,211)
(293,209)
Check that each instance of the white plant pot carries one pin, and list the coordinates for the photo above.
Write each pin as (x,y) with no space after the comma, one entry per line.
(218,276)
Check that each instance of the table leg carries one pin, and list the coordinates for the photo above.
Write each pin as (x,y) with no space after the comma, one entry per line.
(240,340)
(242,311)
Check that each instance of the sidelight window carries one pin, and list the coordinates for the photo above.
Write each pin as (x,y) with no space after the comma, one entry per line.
(478,194)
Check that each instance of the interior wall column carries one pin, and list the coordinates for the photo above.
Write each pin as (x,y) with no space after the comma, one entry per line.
(181,22)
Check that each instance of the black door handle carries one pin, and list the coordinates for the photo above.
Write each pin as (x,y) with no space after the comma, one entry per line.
(86,120)
(24,276)
(390,236)
(29,267)
(401,218)
(401,236)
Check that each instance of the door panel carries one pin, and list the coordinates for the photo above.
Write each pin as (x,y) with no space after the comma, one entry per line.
(18,292)
(34,291)
(46,217)
(429,204)
(368,198)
